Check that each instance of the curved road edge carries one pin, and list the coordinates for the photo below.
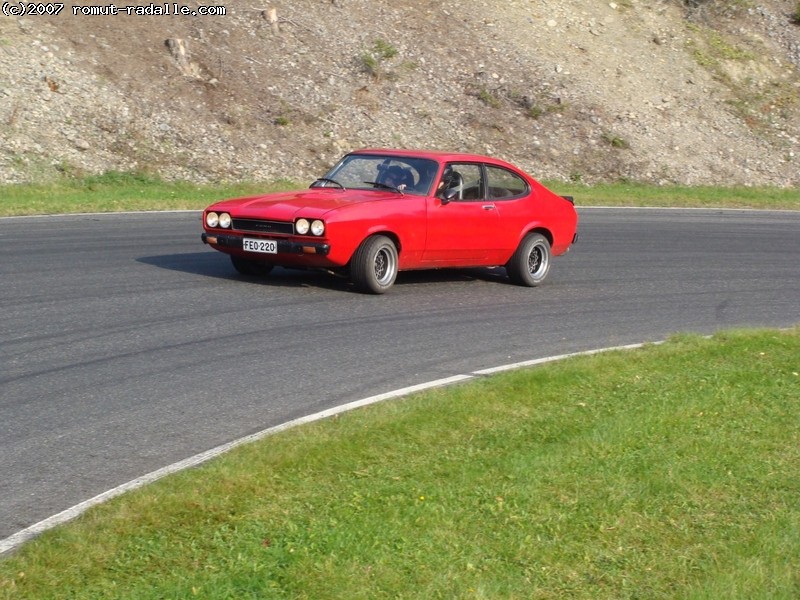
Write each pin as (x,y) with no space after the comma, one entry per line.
(14,541)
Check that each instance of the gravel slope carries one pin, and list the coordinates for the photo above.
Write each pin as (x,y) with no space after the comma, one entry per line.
(661,91)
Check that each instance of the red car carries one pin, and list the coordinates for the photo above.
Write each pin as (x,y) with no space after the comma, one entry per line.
(378,212)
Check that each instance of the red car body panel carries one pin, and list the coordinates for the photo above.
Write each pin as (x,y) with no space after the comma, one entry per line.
(428,230)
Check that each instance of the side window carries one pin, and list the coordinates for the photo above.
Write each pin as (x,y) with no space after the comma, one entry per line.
(464,180)
(504,183)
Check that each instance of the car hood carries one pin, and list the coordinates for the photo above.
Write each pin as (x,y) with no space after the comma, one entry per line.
(287,205)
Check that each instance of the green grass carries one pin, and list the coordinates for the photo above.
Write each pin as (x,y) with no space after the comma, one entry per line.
(638,194)
(672,471)
(115,191)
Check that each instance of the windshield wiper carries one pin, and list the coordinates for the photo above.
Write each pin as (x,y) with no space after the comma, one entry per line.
(325,179)
(385,186)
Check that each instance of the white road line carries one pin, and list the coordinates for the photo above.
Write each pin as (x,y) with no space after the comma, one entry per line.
(29,533)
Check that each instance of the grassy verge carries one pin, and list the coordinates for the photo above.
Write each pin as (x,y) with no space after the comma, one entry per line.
(130,191)
(115,191)
(634,194)
(667,472)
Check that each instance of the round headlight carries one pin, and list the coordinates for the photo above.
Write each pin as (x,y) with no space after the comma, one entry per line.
(301,226)
(317,227)
(212,219)
(224,220)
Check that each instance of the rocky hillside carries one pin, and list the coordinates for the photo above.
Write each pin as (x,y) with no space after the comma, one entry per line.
(683,91)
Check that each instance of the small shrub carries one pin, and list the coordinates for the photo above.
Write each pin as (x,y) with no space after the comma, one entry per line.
(383,49)
(370,64)
(489,98)
(371,59)
(615,141)
(535,111)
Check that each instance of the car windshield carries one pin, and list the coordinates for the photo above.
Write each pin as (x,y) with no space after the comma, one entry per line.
(408,175)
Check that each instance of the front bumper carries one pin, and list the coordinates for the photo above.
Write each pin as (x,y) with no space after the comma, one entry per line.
(234,242)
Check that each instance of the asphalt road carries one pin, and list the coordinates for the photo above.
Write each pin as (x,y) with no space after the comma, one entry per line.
(127,345)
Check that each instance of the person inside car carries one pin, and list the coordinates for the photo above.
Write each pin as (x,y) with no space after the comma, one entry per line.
(397,177)
(452,182)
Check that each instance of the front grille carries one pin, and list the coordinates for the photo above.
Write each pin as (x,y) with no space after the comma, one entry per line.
(258,226)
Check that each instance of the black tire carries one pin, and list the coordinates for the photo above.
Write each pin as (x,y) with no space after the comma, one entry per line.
(530,263)
(250,267)
(373,268)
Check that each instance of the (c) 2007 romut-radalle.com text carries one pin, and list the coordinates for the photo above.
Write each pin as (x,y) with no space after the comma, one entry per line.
(31,9)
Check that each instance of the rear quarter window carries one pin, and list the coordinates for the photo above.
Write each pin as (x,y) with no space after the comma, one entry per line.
(502,183)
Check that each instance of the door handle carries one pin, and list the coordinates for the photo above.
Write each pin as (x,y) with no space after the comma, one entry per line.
(488,207)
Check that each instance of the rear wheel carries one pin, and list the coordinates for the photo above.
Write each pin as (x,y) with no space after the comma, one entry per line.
(531,261)
(250,267)
(374,265)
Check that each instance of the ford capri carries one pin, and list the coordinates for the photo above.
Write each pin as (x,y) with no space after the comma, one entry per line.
(378,212)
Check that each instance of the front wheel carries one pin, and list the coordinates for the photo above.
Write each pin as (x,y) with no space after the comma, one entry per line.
(374,265)
(531,261)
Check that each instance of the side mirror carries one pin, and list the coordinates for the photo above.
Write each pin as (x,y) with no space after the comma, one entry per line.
(448,195)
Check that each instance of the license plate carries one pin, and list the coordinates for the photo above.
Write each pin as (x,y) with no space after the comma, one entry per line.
(263,246)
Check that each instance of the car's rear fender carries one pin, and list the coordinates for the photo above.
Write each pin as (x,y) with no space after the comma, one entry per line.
(544,231)
(559,246)
(558,227)
(539,229)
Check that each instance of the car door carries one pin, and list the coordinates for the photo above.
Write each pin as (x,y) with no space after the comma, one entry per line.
(512,198)
(463,226)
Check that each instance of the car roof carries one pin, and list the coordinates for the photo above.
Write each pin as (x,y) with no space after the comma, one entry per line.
(437,155)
